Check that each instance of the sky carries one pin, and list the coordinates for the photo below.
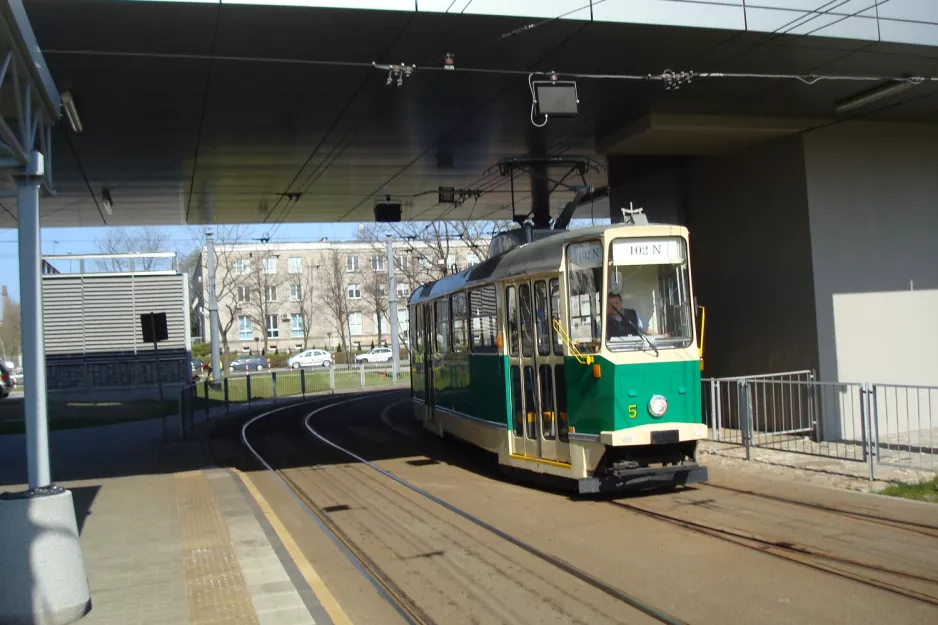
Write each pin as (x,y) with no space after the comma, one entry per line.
(181,239)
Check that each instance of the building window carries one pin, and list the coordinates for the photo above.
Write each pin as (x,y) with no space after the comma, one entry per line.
(351,263)
(270,265)
(271,294)
(471,260)
(403,292)
(385,323)
(294,264)
(241,266)
(244,294)
(400,262)
(382,289)
(296,292)
(296,325)
(273,328)
(377,263)
(355,324)
(245,328)
(354,291)
(403,323)
(450,261)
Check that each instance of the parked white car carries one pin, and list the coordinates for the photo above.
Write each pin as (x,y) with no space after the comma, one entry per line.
(378,354)
(310,358)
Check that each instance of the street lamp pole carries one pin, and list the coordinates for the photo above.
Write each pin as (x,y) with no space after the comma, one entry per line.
(392,312)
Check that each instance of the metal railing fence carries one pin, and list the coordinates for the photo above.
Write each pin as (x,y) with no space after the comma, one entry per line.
(197,400)
(884,424)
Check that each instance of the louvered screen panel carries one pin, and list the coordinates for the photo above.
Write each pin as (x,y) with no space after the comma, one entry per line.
(162,294)
(62,318)
(110,325)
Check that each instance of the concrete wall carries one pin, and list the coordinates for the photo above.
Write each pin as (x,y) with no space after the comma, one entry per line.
(747,212)
(659,191)
(750,248)
(873,196)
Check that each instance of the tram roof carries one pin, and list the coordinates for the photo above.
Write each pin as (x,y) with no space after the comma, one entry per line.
(534,258)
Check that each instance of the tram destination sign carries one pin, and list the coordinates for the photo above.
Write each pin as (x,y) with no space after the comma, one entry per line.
(657,251)
(586,255)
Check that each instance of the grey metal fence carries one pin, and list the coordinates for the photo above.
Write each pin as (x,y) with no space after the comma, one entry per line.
(197,401)
(873,423)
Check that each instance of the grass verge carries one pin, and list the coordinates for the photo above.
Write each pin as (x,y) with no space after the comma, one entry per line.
(923,491)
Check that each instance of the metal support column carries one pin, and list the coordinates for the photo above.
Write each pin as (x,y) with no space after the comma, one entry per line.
(217,372)
(392,313)
(540,197)
(34,362)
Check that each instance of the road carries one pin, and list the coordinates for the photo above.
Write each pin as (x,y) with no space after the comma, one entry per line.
(736,550)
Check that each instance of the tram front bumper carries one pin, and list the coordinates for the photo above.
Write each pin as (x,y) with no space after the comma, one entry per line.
(643,478)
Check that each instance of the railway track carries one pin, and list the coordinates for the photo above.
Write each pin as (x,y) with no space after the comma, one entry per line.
(379,490)
(871,574)
(923,529)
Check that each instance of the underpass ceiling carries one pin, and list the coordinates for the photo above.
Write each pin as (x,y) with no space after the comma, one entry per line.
(178,129)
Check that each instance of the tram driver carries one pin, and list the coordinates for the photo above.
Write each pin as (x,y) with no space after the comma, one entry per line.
(621,321)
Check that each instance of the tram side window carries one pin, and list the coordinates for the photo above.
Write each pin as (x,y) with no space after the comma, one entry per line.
(530,403)
(555,315)
(511,312)
(548,416)
(560,383)
(517,406)
(460,345)
(542,318)
(442,325)
(416,329)
(584,282)
(484,320)
(527,323)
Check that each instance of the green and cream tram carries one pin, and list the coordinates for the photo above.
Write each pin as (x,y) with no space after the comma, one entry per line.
(574,357)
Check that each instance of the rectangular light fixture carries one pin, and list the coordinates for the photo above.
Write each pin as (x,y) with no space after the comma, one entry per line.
(872,95)
(71,113)
(388,212)
(556,98)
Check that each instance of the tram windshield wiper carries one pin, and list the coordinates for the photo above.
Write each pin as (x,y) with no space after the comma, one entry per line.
(645,338)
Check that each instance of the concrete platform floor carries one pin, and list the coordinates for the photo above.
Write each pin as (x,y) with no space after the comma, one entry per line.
(167,539)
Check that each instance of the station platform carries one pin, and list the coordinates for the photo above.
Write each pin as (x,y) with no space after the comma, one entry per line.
(168,538)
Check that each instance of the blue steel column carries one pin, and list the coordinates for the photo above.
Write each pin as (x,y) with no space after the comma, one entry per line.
(34,361)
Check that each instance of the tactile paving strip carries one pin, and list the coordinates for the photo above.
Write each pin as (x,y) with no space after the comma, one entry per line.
(215,589)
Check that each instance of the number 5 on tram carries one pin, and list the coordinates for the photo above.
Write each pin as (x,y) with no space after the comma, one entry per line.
(574,358)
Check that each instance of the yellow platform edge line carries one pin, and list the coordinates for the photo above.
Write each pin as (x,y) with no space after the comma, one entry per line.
(326,599)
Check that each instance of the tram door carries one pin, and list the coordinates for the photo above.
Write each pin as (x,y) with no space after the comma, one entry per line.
(429,343)
(533,363)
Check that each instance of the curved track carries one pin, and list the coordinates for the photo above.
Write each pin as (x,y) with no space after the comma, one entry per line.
(410,609)
(442,535)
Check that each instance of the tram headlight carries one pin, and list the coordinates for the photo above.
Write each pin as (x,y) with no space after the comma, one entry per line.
(657,406)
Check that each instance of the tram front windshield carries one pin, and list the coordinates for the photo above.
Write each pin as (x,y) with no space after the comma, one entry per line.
(648,298)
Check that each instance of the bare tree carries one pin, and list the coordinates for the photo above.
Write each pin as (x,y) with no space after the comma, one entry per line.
(266,286)
(334,286)
(146,240)
(307,302)
(11,328)
(227,278)
(374,281)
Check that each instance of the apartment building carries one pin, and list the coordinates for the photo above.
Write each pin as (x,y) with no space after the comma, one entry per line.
(285,297)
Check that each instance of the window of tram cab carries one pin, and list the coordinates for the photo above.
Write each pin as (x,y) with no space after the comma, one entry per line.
(584,282)
(649,299)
